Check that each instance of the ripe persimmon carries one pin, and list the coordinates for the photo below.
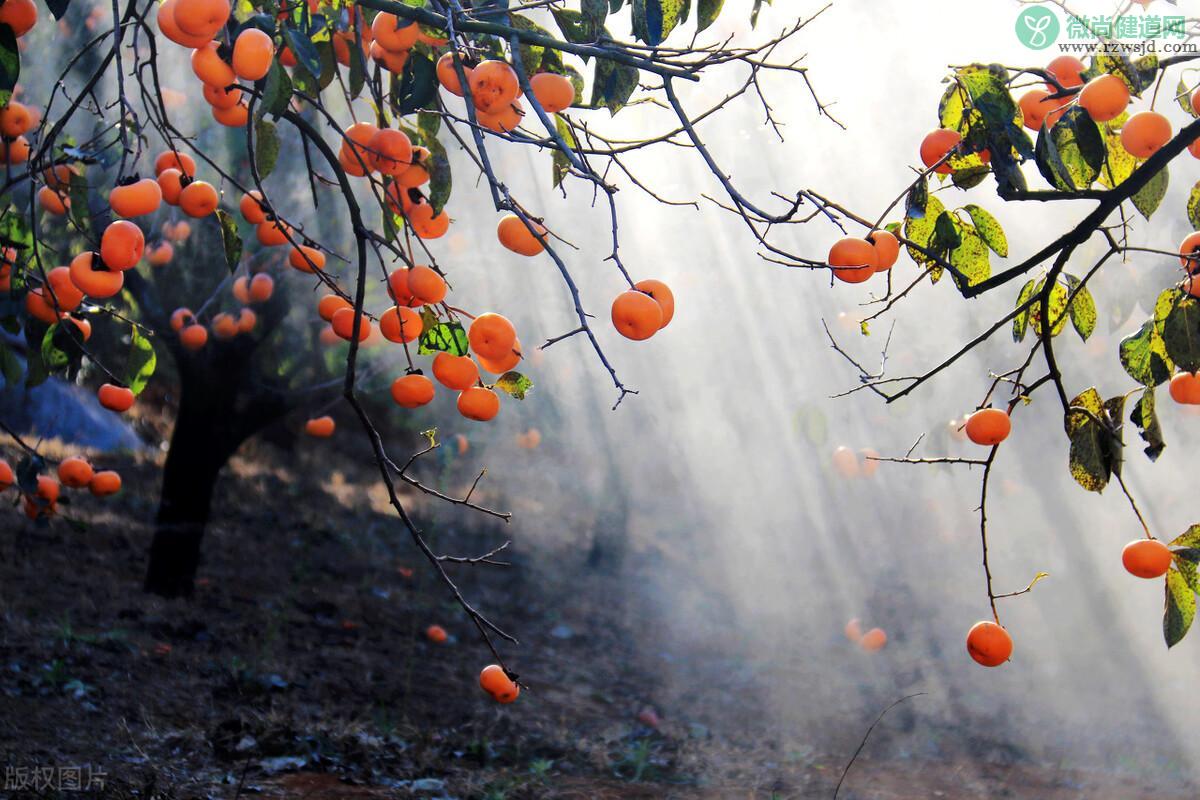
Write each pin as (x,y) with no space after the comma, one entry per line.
(235,116)
(426,285)
(201,17)
(306,258)
(174,159)
(92,277)
(240,288)
(936,145)
(170,183)
(393,33)
(20,15)
(273,232)
(491,335)
(14,151)
(247,319)
(357,143)
(1189,253)
(193,337)
(513,234)
(251,207)
(989,644)
(427,225)
(224,326)
(662,295)
(845,462)
(853,630)
(436,634)
(478,403)
(7,476)
(455,372)
(135,198)
(81,325)
(38,306)
(412,391)
(180,318)
(330,304)
(1146,558)
(115,398)
(504,119)
(1067,70)
(63,294)
(1038,110)
(1145,133)
(448,77)
(253,52)
(210,68)
(262,286)
(417,173)
(198,199)
(122,245)
(221,97)
(390,151)
(74,472)
(15,119)
(853,260)
(873,640)
(988,426)
(52,202)
(494,85)
(494,680)
(320,428)
(499,366)
(1185,389)
(343,324)
(1104,97)
(161,254)
(105,483)
(553,92)
(887,249)
(400,324)
(636,315)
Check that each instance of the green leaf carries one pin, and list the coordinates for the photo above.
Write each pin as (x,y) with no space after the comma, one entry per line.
(416,88)
(1119,163)
(561,163)
(142,361)
(917,199)
(231,239)
(305,51)
(277,91)
(707,13)
(1082,309)
(10,367)
(989,229)
(594,13)
(1057,308)
(614,84)
(812,424)
(1144,356)
(444,337)
(1146,420)
(1193,207)
(515,384)
(653,20)
(266,147)
(1181,334)
(440,179)
(575,26)
(920,229)
(531,54)
(52,355)
(1070,154)
(1095,440)
(1189,538)
(1180,608)
(81,213)
(970,257)
(1021,321)
(358,70)
(1150,197)
(1184,97)
(10,63)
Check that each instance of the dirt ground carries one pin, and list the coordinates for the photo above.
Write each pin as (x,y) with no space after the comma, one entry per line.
(300,670)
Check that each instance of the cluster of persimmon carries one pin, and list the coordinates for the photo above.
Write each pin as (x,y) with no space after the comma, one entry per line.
(871,641)
(73,473)
(496,90)
(855,260)
(1105,98)
(17,119)
(495,681)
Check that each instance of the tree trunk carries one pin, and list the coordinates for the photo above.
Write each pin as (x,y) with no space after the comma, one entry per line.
(217,412)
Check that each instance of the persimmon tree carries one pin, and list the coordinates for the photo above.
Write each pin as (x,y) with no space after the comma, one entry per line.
(106,181)
(1098,132)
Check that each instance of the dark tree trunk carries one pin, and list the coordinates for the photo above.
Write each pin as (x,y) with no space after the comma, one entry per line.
(219,409)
